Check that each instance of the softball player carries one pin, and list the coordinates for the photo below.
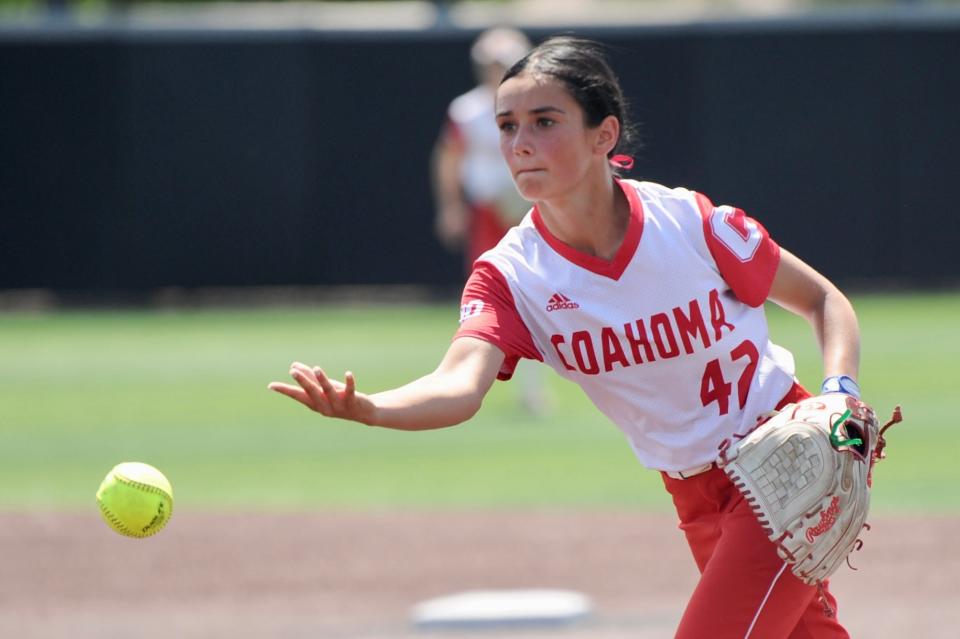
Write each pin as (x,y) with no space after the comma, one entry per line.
(476,202)
(651,299)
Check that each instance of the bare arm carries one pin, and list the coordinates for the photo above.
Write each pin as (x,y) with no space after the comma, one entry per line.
(800,289)
(449,395)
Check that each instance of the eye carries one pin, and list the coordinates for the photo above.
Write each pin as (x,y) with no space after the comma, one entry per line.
(545,123)
(507,126)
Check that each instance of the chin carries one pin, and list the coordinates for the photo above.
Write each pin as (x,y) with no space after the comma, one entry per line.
(532,189)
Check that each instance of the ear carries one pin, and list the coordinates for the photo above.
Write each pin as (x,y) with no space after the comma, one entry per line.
(607,135)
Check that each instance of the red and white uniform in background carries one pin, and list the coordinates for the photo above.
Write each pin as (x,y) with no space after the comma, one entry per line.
(669,339)
(486,180)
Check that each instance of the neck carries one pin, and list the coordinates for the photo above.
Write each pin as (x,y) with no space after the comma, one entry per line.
(592,220)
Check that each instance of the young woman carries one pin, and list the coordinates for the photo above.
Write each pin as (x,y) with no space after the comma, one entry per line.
(651,299)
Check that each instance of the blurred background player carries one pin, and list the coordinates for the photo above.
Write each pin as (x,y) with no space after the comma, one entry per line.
(475,198)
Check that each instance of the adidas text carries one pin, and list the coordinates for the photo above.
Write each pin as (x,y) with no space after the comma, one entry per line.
(557,306)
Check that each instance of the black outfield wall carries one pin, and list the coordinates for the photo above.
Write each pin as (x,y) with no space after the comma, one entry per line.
(135,159)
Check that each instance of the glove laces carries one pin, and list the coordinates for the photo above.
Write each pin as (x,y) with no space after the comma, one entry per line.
(835,433)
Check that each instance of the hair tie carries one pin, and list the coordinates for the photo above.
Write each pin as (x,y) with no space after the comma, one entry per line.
(624,162)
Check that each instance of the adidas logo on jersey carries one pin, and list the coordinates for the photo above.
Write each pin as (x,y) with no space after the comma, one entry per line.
(559,302)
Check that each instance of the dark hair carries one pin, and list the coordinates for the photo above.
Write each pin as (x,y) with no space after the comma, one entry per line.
(581,66)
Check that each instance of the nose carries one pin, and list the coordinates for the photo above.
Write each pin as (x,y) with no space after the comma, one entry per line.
(522,143)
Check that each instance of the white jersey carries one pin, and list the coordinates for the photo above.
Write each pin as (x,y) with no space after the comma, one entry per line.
(668,339)
(483,174)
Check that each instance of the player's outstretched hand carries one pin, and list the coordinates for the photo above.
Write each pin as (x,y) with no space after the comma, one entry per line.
(327,396)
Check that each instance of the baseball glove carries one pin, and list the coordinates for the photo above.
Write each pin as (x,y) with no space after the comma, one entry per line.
(806,471)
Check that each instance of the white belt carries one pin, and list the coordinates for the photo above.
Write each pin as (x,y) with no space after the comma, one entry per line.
(689,472)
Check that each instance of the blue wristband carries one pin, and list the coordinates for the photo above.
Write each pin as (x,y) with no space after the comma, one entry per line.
(841,384)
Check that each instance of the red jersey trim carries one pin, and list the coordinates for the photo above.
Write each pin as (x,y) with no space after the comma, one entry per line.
(613,268)
(497,321)
(743,250)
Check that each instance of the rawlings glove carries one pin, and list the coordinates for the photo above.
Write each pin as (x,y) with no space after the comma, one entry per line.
(806,471)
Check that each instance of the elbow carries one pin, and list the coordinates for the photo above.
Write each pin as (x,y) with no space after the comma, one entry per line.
(454,411)
(470,407)
(836,303)
(470,400)
(818,303)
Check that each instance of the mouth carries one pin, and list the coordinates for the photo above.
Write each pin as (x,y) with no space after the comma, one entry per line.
(527,172)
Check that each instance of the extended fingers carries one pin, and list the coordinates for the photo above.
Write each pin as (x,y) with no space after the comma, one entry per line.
(338,393)
(294,392)
(318,391)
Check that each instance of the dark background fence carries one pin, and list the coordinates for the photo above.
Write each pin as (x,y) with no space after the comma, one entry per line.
(136,159)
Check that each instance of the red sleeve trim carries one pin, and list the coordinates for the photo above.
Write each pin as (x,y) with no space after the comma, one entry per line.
(743,250)
(488,312)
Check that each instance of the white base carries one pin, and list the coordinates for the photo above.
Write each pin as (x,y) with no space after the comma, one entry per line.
(478,608)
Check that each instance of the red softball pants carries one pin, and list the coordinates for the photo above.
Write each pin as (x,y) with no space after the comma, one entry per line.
(745,589)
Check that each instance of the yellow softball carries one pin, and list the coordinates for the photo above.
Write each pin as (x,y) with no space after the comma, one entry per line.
(135,499)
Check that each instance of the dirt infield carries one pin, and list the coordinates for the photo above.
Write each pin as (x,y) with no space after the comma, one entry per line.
(357,575)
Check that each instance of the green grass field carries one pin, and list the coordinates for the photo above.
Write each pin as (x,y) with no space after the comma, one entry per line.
(186,391)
